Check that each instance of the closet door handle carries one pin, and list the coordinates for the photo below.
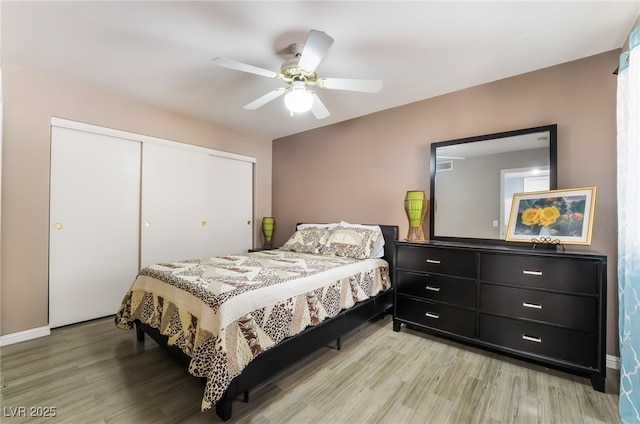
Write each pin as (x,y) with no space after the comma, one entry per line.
(432,315)
(433,261)
(532,339)
(528,272)
(531,305)
(434,289)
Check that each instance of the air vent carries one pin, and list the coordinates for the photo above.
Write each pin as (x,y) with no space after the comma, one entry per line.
(444,166)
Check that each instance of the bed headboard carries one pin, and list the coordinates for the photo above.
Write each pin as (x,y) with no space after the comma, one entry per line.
(390,233)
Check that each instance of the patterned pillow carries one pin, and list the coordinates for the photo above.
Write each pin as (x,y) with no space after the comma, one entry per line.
(353,242)
(378,246)
(307,240)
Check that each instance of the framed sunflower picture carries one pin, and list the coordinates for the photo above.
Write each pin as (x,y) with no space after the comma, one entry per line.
(557,216)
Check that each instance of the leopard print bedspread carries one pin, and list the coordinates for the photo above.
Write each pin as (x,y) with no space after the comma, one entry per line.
(224,311)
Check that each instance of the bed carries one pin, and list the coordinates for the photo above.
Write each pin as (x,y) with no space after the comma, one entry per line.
(238,320)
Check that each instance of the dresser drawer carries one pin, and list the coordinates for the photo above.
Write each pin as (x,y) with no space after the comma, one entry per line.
(539,339)
(575,312)
(436,315)
(458,263)
(441,289)
(571,275)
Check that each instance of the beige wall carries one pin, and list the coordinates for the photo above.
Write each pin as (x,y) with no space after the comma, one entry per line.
(359,170)
(30,100)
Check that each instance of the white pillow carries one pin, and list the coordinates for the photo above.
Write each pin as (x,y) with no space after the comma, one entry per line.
(378,246)
(302,226)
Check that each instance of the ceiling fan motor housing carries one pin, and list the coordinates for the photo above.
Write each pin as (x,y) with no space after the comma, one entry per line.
(290,69)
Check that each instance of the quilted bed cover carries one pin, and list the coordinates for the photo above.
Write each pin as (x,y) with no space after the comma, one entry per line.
(224,311)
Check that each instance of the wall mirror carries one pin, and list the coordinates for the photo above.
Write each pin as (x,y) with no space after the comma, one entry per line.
(473,180)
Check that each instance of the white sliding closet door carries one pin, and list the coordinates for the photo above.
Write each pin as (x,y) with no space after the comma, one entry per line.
(94,224)
(175,222)
(231,204)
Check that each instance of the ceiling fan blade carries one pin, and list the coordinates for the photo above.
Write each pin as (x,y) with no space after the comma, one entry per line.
(315,49)
(318,108)
(367,86)
(238,66)
(260,101)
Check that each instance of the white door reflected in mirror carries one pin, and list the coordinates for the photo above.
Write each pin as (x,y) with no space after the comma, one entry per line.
(521,180)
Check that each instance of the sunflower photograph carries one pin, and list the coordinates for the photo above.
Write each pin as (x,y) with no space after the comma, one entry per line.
(559,216)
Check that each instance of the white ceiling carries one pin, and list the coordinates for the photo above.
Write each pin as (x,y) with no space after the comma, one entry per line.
(160,51)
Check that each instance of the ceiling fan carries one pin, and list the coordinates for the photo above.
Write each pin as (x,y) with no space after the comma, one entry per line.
(299,73)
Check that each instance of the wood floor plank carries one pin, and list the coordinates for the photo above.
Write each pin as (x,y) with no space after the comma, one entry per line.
(504,401)
(95,373)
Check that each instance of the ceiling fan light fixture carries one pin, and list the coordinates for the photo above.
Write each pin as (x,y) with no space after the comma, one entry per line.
(298,99)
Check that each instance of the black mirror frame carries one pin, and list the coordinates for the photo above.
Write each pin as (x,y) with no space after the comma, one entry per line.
(553,176)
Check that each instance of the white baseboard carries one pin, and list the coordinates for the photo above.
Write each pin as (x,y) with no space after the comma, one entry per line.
(22,336)
(613,362)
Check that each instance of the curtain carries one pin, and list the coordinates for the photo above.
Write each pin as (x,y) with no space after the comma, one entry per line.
(1,121)
(628,142)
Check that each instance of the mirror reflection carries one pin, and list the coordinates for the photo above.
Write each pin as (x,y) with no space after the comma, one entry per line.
(473,180)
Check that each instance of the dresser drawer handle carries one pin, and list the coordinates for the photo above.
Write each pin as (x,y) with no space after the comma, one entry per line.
(434,289)
(433,261)
(531,305)
(526,271)
(532,339)
(432,315)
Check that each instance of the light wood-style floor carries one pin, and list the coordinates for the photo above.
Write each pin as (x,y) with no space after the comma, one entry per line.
(95,373)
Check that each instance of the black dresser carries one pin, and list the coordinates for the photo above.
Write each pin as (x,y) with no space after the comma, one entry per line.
(540,305)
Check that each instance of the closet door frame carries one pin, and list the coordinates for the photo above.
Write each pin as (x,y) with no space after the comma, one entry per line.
(74,125)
